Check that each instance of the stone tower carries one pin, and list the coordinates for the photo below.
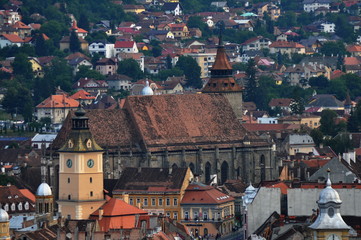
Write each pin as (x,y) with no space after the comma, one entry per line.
(80,171)
(222,81)
(44,200)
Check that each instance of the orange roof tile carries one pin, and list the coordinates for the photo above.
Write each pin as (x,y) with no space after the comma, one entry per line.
(353,48)
(285,44)
(28,194)
(20,25)
(82,94)
(280,185)
(13,38)
(351,61)
(58,101)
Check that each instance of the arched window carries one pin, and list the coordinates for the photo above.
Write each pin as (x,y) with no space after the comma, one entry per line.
(13,207)
(26,206)
(224,172)
(91,179)
(191,166)
(68,180)
(20,206)
(69,197)
(208,172)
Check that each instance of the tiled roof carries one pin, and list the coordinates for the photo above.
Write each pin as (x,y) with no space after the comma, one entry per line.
(280,102)
(20,25)
(198,193)
(150,179)
(285,44)
(353,48)
(81,94)
(13,38)
(58,101)
(351,61)
(11,194)
(124,44)
(269,127)
(117,214)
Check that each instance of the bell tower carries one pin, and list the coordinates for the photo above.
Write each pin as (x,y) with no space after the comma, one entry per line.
(4,225)
(80,171)
(329,224)
(222,81)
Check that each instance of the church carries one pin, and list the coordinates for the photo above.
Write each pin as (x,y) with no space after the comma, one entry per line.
(200,131)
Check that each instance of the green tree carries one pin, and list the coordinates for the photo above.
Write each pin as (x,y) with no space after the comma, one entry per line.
(318,82)
(40,47)
(83,21)
(131,68)
(192,71)
(87,72)
(22,67)
(252,83)
(317,136)
(328,126)
(18,100)
(333,48)
(74,44)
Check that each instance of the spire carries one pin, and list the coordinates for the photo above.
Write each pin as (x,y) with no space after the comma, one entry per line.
(221,73)
(328,183)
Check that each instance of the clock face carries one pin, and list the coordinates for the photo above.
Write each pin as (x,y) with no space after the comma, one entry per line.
(90,163)
(333,237)
(69,163)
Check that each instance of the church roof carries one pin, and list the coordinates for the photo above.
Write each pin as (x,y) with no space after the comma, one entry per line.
(166,121)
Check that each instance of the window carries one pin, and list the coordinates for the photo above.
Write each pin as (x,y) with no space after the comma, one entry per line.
(167,214)
(138,200)
(131,201)
(153,201)
(175,202)
(6,207)
(13,207)
(26,206)
(91,180)
(195,215)
(175,215)
(186,215)
(145,202)
(160,202)
(69,197)
(168,201)
(205,215)
(68,180)
(91,193)
(20,206)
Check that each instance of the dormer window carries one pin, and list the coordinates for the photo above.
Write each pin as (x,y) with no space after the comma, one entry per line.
(9,197)
(20,206)
(89,143)
(70,144)
(6,207)
(26,206)
(13,207)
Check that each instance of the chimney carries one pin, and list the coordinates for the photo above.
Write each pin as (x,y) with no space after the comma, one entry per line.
(101,212)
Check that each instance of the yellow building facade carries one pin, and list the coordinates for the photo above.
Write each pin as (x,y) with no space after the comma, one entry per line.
(80,172)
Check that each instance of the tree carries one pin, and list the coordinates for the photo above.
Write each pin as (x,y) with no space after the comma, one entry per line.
(319,82)
(252,84)
(131,68)
(23,67)
(169,62)
(40,48)
(18,100)
(354,121)
(317,136)
(83,22)
(333,48)
(74,44)
(328,126)
(192,71)
(87,72)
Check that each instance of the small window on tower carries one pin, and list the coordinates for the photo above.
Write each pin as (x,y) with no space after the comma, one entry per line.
(91,193)
(89,143)
(70,144)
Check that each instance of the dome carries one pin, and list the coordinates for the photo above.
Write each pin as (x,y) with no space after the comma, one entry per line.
(250,189)
(329,194)
(4,217)
(44,190)
(146,91)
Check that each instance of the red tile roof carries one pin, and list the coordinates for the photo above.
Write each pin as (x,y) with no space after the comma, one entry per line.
(13,38)
(58,101)
(117,214)
(198,193)
(353,48)
(124,44)
(20,25)
(280,185)
(285,44)
(351,61)
(82,94)
(280,102)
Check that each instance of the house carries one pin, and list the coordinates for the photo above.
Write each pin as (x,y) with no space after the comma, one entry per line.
(355,50)
(244,24)
(107,66)
(9,17)
(42,140)
(298,143)
(137,9)
(285,47)
(174,8)
(205,61)
(91,85)
(172,85)
(179,30)
(17,202)
(297,74)
(327,27)
(125,47)
(256,44)
(313,5)
(281,103)
(271,9)
(77,61)
(81,33)
(56,107)
(160,35)
(83,97)
(10,40)
(103,48)
(222,5)
(320,102)
(138,57)
(116,214)
(22,29)
(155,190)
(207,211)
(119,81)
(36,67)
(65,44)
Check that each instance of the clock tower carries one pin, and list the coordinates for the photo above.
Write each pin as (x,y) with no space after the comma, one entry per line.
(80,171)
(329,224)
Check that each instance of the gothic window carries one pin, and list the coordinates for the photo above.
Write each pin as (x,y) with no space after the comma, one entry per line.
(224,172)
(208,172)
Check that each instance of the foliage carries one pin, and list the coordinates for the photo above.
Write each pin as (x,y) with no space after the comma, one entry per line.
(328,125)
(5,180)
(74,44)
(238,36)
(340,144)
(318,82)
(164,74)
(131,68)
(252,83)
(22,68)
(87,72)
(197,22)
(317,136)
(354,121)
(192,71)
(333,48)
